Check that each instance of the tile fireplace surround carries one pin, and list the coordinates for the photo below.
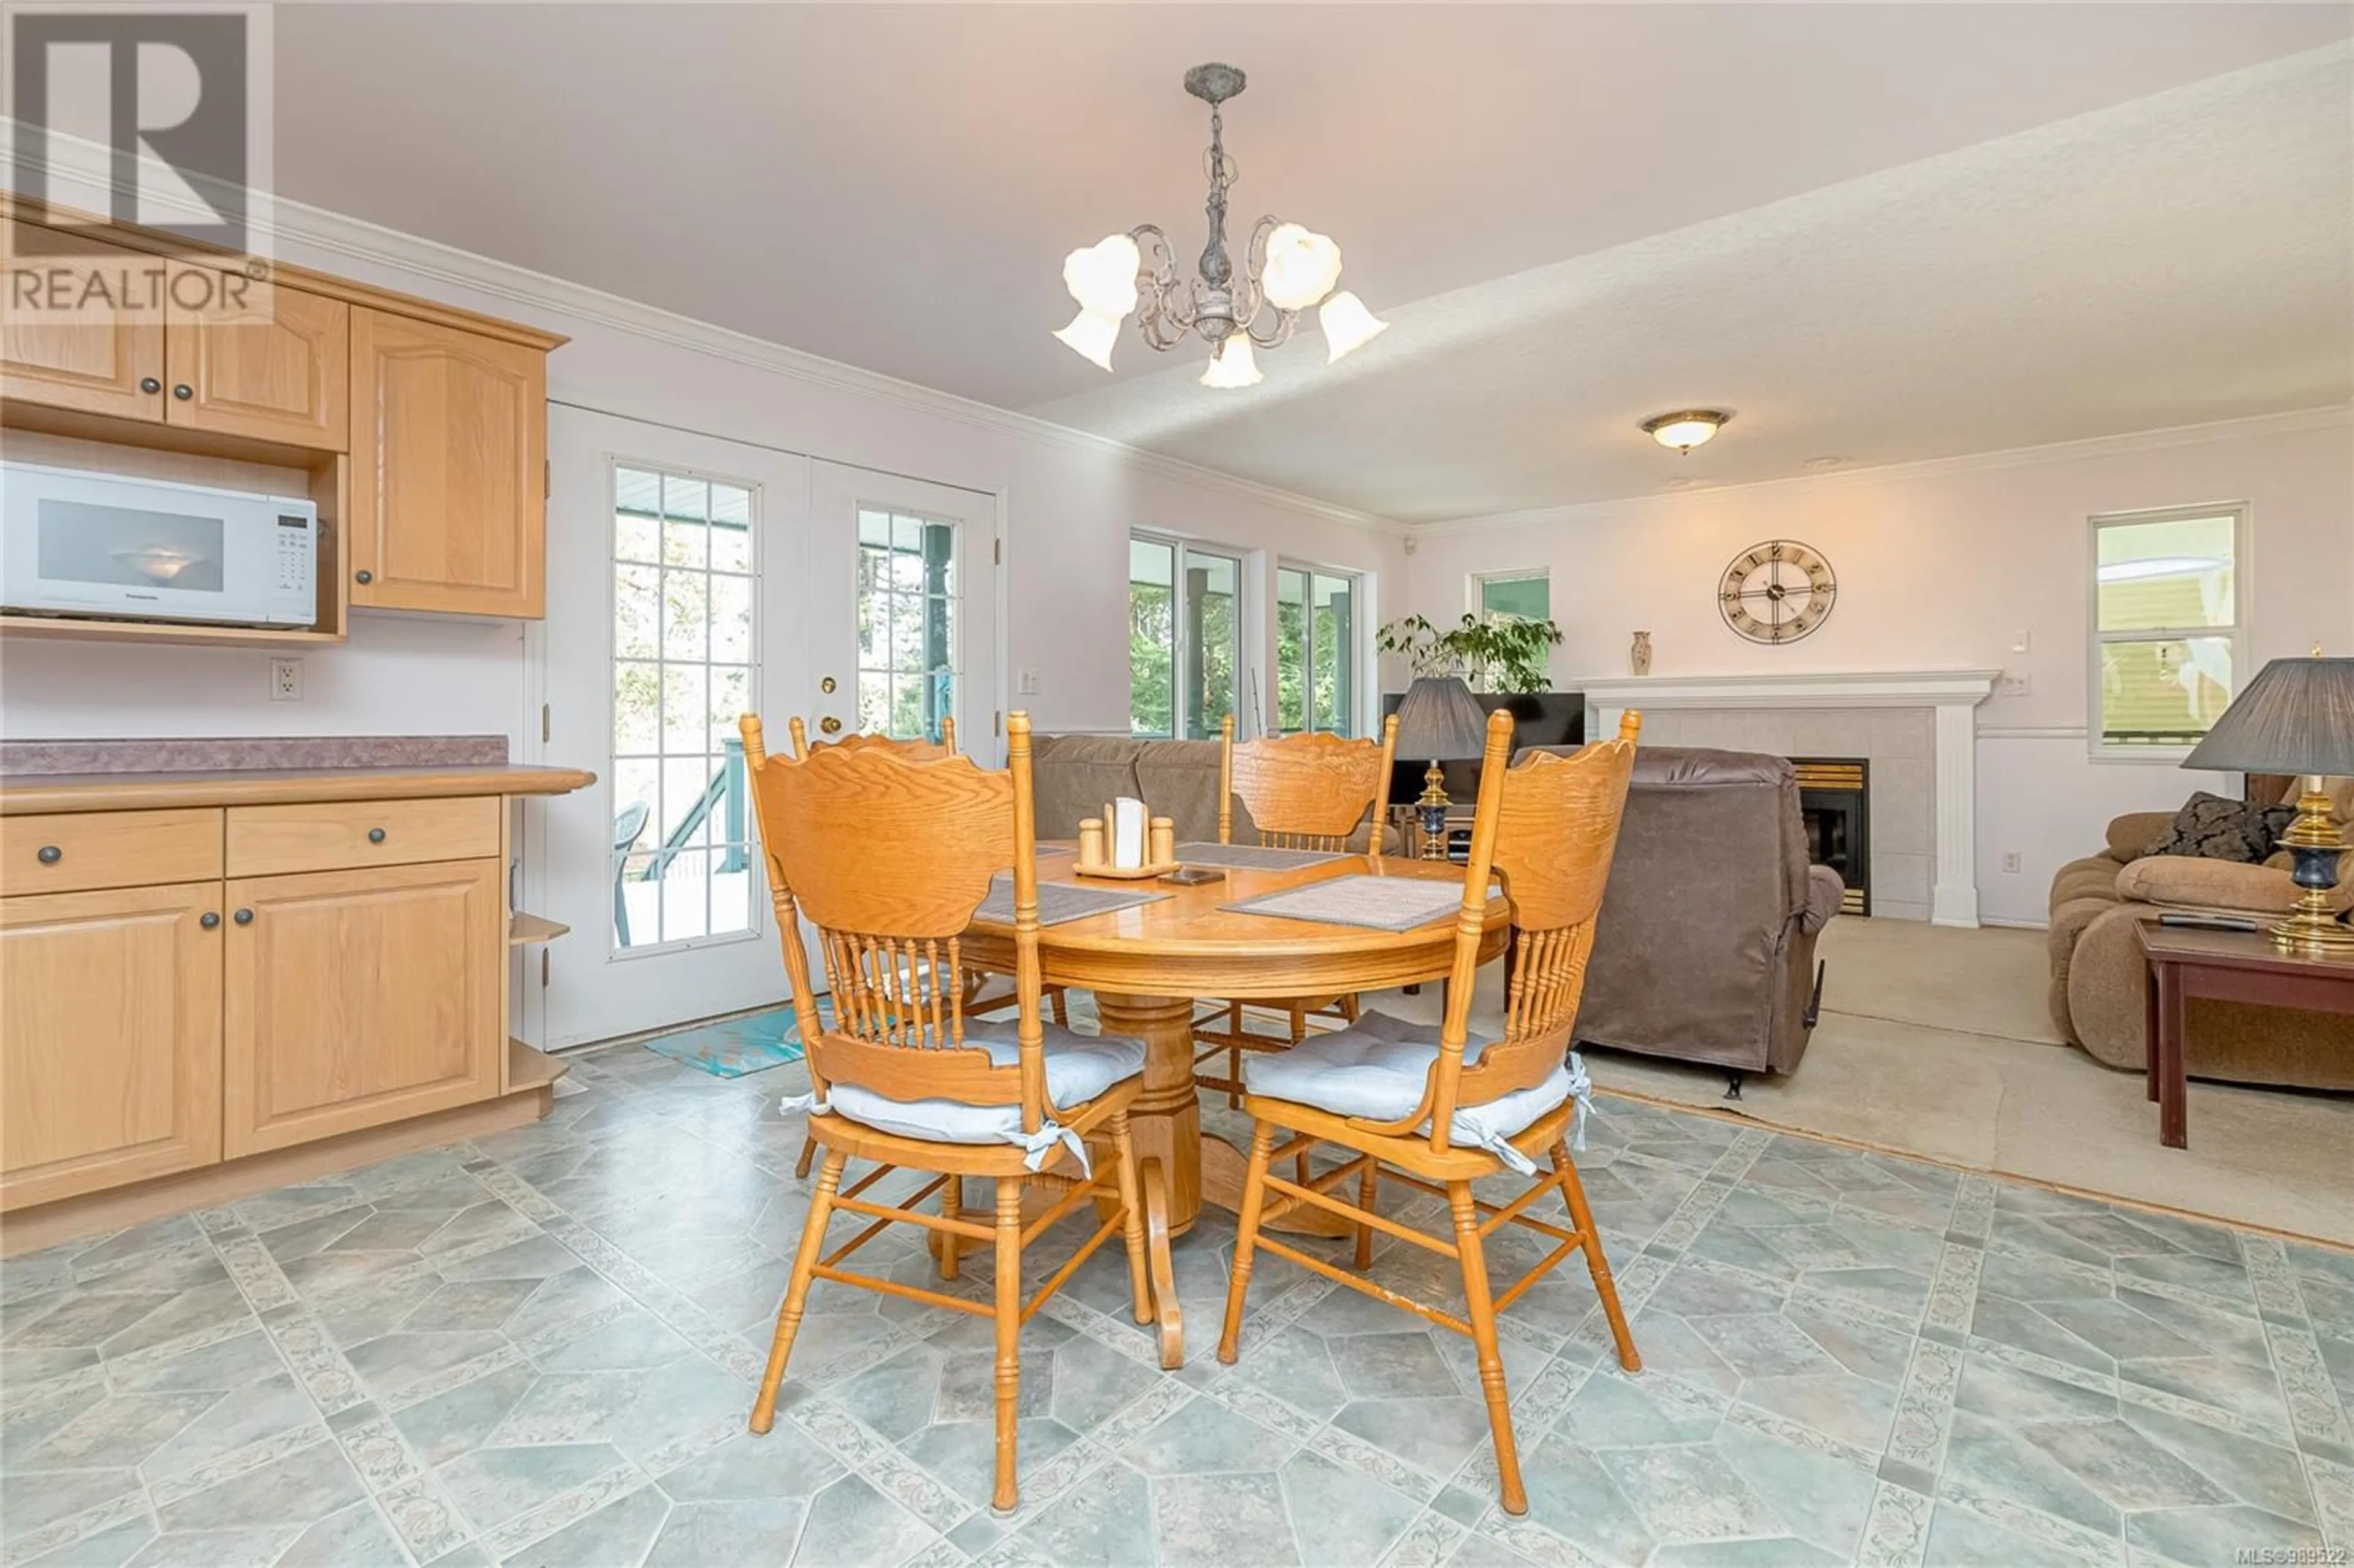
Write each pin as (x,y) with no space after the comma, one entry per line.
(1918,728)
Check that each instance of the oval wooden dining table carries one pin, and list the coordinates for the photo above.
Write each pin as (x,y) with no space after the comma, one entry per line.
(1150,964)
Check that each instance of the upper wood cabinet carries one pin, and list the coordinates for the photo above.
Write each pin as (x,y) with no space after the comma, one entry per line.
(449,504)
(110,1016)
(92,354)
(272,363)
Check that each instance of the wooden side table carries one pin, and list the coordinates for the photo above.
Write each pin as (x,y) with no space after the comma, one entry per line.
(2223,966)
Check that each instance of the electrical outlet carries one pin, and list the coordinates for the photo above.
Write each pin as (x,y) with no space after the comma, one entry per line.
(2014,684)
(286,680)
(1029,683)
(2010,862)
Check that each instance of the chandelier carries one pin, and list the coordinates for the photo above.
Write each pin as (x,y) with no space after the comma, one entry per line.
(1286,270)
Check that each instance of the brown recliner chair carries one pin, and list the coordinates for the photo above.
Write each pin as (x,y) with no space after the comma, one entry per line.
(1705,948)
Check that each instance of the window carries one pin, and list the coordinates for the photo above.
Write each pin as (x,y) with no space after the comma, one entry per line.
(683,658)
(1526,595)
(2167,616)
(1184,637)
(906,624)
(1315,650)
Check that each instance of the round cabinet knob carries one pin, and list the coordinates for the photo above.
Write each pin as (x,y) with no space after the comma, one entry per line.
(150,385)
(364,576)
(208,919)
(50,854)
(831,725)
(243,917)
(183,391)
(375,835)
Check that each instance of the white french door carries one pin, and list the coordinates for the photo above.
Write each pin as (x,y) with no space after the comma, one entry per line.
(692,579)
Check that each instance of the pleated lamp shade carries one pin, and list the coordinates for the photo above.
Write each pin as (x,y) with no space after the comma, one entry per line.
(1440,721)
(2296,716)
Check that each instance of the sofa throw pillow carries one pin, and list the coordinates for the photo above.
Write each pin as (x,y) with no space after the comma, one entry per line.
(2211,827)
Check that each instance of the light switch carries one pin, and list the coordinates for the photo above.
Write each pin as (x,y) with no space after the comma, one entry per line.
(1027,683)
(2019,640)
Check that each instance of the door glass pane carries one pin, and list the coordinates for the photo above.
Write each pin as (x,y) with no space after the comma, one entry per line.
(1291,648)
(1334,658)
(907,623)
(2163,692)
(2174,574)
(1211,639)
(684,647)
(1152,638)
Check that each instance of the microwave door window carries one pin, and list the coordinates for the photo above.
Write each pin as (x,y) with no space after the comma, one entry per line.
(138,553)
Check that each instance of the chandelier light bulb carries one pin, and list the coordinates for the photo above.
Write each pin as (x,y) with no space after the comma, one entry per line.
(1682,431)
(1235,365)
(1091,335)
(1102,278)
(1348,325)
(1300,267)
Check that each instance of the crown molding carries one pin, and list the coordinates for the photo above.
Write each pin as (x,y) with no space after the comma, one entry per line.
(2336,416)
(426,262)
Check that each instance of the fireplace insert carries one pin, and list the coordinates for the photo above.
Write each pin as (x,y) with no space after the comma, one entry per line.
(1835,800)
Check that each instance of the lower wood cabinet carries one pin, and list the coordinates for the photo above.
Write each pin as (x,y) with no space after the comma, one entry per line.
(111,1009)
(354,998)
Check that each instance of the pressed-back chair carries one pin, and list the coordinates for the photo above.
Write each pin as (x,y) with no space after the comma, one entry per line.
(1547,827)
(975,980)
(888,857)
(1311,791)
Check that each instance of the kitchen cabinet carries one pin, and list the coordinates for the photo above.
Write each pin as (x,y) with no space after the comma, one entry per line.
(449,486)
(110,1016)
(66,347)
(266,361)
(354,998)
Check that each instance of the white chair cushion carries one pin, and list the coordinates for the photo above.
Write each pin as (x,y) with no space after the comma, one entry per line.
(1079,1069)
(1377,1068)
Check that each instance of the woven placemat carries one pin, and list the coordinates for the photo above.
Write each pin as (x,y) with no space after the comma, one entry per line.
(1251,857)
(1383,903)
(1058,901)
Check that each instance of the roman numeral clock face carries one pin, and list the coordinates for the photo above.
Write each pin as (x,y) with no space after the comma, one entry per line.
(1777,591)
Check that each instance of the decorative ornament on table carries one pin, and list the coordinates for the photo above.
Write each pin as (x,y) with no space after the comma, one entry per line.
(1777,592)
(1638,657)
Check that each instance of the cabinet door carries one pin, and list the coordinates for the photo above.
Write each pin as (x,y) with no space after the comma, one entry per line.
(109,1038)
(359,997)
(90,334)
(269,362)
(448,469)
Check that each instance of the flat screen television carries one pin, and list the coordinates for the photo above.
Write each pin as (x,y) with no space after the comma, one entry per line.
(1539,718)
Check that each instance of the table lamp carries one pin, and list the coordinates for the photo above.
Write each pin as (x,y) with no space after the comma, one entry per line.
(2296,717)
(1438,719)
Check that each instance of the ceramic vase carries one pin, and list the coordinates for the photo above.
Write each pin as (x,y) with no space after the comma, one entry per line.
(1638,657)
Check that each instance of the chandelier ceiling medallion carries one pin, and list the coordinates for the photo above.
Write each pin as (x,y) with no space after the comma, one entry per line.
(1286,270)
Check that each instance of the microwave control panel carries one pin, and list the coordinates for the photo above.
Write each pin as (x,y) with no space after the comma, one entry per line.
(294,552)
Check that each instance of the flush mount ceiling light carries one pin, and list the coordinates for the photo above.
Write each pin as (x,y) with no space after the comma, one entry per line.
(1686,428)
(1286,269)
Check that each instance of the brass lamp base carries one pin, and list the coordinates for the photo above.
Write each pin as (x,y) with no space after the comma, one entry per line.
(2313,845)
(1433,805)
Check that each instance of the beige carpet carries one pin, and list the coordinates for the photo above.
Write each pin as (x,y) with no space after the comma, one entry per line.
(1935,1041)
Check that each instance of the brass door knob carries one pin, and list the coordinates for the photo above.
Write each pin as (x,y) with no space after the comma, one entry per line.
(830,725)
(826,686)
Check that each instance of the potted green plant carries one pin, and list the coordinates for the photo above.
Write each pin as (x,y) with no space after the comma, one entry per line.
(1501,653)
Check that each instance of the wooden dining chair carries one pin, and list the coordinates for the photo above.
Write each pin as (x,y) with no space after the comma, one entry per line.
(1435,1110)
(1311,791)
(890,856)
(980,1001)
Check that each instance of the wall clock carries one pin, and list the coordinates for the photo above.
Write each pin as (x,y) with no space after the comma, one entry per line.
(1777,591)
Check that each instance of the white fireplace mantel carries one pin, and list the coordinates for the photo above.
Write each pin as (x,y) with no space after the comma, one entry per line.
(1953,694)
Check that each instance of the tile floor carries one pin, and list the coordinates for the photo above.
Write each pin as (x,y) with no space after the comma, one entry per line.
(540,1349)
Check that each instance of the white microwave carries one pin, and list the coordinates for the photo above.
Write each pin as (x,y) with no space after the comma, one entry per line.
(73,543)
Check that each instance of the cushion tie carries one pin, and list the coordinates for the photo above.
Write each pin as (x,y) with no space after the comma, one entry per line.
(1039,1145)
(808,1102)
(1494,1142)
(1581,1089)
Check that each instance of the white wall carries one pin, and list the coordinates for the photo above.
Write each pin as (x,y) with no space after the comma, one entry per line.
(1070,500)
(1939,566)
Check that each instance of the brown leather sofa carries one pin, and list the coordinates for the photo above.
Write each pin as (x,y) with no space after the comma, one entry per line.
(1705,949)
(2099,978)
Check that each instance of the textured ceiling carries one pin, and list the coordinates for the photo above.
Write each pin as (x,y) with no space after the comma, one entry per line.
(1576,215)
(2186,258)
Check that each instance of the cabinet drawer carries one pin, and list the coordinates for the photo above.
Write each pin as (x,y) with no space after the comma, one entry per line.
(73,852)
(336,835)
